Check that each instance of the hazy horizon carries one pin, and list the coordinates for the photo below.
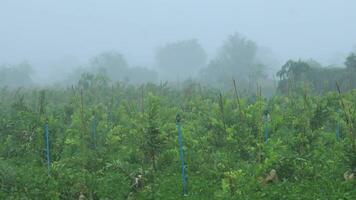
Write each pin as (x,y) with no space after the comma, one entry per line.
(48,32)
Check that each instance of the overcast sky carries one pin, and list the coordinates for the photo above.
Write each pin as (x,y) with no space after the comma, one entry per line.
(46,31)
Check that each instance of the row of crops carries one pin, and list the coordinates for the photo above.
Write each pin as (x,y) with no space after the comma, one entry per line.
(95,141)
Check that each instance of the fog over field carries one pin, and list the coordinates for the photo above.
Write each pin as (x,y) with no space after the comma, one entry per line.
(59,35)
(177,99)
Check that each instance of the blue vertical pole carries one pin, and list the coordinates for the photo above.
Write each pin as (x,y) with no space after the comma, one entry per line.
(266,128)
(47,148)
(180,141)
(94,131)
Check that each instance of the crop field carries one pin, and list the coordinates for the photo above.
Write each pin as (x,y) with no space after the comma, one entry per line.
(177,100)
(100,141)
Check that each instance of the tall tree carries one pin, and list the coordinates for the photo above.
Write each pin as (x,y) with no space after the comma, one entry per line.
(293,69)
(351,61)
(16,75)
(181,59)
(111,64)
(114,66)
(236,59)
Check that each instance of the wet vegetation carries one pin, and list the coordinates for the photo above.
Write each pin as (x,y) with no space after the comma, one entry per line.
(119,141)
(180,99)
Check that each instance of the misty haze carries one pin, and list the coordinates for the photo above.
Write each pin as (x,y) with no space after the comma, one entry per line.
(179,99)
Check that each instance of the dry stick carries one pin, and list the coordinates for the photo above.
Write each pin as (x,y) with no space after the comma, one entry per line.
(237,99)
(348,119)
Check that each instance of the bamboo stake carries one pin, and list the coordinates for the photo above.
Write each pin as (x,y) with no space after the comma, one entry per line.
(348,118)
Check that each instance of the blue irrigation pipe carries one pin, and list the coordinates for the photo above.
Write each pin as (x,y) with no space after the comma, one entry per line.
(180,141)
(47,149)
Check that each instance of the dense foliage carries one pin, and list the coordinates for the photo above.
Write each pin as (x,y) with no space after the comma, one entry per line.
(237,59)
(121,142)
(16,75)
(298,74)
(180,60)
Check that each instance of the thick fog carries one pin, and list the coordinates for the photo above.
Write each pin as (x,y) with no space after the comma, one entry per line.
(56,35)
